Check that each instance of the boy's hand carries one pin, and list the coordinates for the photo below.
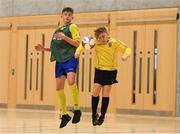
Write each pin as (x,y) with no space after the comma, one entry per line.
(59,35)
(76,55)
(39,47)
(124,58)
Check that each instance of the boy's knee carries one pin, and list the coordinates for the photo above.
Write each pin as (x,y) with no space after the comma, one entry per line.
(71,82)
(59,87)
(105,94)
(95,93)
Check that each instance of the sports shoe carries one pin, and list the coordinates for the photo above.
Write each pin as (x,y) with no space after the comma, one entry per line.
(64,120)
(100,120)
(94,119)
(76,117)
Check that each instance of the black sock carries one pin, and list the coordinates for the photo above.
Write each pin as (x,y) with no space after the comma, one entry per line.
(104,106)
(94,104)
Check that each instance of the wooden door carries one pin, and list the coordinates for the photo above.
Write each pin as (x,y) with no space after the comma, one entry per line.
(36,78)
(129,91)
(4,66)
(160,67)
(25,67)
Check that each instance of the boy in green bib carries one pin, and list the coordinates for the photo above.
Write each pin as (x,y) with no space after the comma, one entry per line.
(64,42)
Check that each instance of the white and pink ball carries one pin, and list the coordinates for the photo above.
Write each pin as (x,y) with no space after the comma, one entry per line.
(88,42)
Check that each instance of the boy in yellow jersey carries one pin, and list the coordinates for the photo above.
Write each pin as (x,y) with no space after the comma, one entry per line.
(64,42)
(105,60)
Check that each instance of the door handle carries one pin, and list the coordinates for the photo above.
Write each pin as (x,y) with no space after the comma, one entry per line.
(148,70)
(140,72)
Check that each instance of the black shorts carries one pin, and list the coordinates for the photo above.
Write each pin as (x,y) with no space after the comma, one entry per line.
(104,77)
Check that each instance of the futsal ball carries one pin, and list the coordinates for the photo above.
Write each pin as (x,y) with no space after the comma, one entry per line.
(88,42)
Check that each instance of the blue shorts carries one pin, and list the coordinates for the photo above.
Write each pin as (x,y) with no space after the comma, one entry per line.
(62,68)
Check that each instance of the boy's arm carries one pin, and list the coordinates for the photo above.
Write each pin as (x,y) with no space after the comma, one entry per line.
(79,49)
(75,36)
(40,47)
(124,49)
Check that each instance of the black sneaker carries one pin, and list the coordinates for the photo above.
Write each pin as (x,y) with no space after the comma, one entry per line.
(94,119)
(76,117)
(64,120)
(100,120)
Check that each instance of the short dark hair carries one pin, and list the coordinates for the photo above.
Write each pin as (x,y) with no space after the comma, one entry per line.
(67,9)
(99,31)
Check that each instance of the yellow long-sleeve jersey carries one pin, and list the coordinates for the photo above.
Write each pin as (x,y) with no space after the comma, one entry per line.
(106,55)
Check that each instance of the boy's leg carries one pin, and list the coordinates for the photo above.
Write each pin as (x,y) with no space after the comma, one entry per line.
(74,94)
(61,95)
(62,101)
(105,102)
(94,101)
(73,89)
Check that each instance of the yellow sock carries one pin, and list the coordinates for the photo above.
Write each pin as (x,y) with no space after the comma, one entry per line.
(74,94)
(62,101)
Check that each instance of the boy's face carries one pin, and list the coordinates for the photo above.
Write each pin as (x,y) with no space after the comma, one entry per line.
(103,38)
(67,17)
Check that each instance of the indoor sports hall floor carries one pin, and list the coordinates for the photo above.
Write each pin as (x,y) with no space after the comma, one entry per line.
(36,121)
